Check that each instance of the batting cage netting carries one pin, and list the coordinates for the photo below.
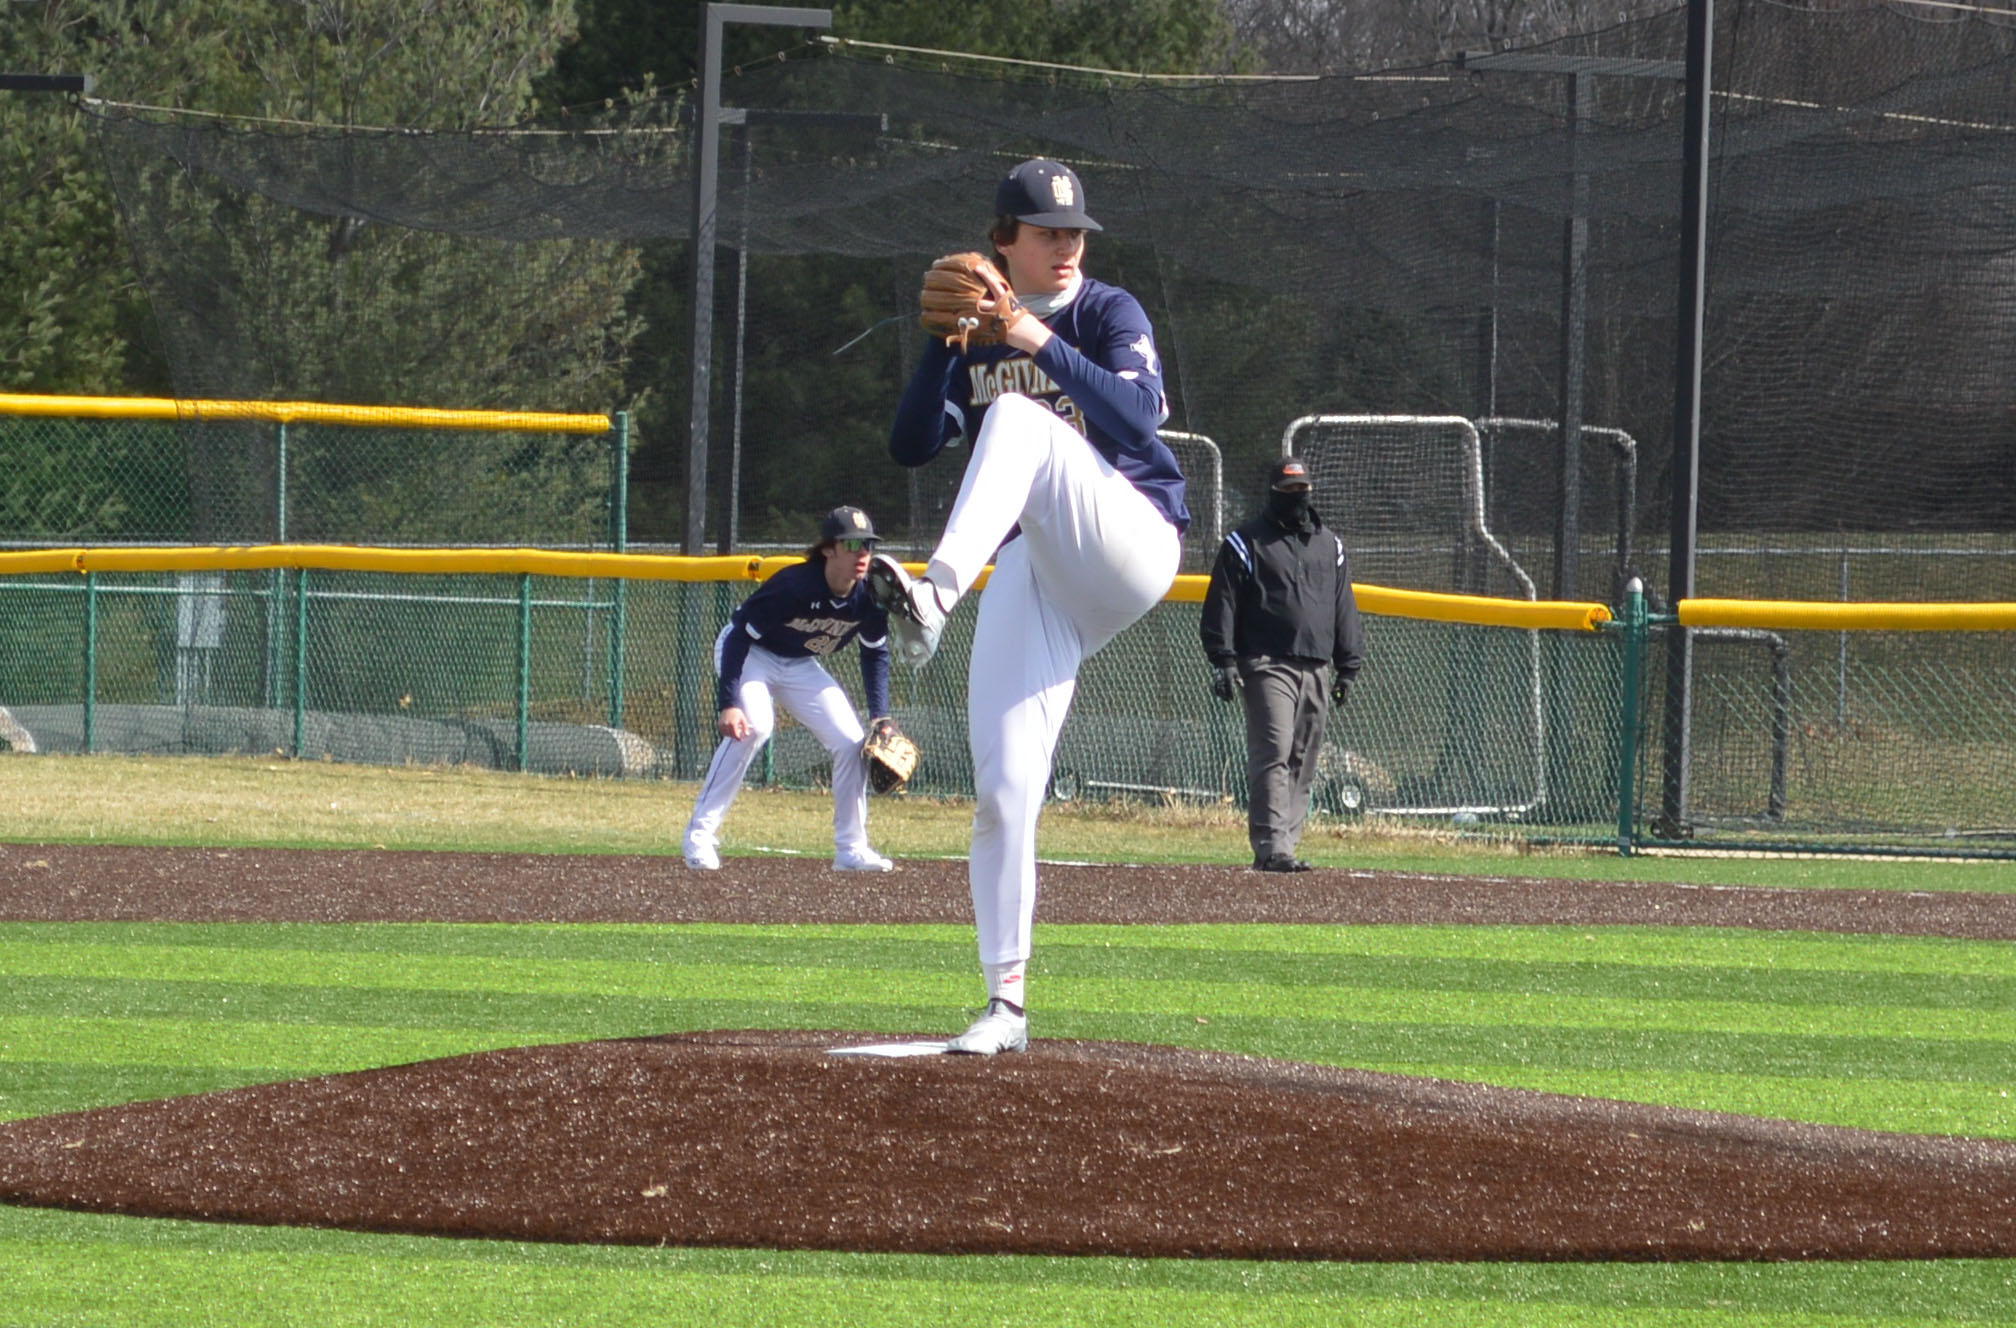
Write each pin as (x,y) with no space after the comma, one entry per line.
(1390,243)
(1492,244)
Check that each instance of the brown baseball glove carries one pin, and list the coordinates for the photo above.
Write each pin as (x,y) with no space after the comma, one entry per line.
(891,756)
(953,289)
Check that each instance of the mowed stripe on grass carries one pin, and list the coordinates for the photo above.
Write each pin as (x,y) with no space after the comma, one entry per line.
(1606,1013)
(1506,1004)
(1903,1044)
(79,1267)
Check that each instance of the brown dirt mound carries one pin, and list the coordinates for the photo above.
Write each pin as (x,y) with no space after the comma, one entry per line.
(763,1139)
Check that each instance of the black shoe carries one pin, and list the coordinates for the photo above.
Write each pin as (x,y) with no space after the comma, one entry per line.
(1280,862)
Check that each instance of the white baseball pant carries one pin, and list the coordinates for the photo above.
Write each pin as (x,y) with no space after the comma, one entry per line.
(1093,556)
(806,691)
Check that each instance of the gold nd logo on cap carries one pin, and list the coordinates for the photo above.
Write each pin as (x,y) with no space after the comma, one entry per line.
(1060,189)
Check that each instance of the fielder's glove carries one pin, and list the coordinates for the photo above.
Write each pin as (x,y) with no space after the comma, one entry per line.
(1340,687)
(890,754)
(1224,682)
(953,289)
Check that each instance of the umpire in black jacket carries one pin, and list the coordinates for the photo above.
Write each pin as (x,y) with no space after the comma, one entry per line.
(1279,611)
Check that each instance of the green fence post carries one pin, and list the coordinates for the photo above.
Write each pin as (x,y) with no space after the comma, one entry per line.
(524,666)
(276,580)
(90,662)
(1628,715)
(300,663)
(619,538)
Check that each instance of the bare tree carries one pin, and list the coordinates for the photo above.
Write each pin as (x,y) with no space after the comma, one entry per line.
(1330,36)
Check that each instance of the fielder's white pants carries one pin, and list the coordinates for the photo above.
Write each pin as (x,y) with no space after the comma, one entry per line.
(1093,556)
(806,691)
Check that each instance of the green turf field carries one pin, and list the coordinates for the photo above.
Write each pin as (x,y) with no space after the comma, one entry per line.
(1884,1032)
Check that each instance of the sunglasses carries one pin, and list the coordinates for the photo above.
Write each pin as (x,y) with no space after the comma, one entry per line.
(857,546)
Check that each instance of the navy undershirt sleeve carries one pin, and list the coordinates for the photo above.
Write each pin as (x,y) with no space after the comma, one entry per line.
(921,425)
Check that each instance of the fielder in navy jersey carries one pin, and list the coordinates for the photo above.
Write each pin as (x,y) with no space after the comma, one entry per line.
(1080,506)
(771,654)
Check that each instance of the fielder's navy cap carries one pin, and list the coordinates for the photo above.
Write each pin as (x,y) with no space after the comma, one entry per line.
(1044,193)
(1290,473)
(847,523)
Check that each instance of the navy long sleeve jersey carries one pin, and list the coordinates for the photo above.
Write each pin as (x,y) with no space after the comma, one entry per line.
(1099,373)
(796,614)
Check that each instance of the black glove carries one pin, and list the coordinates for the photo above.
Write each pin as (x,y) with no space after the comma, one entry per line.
(1224,682)
(1340,687)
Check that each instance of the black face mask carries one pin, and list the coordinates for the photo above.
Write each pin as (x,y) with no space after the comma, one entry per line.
(1291,508)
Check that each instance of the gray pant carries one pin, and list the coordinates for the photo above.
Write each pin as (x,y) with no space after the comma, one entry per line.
(1287,706)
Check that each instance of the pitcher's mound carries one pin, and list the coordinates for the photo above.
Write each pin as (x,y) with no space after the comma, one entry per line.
(764,1139)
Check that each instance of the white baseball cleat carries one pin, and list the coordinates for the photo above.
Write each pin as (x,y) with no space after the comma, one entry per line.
(916,614)
(867,860)
(701,855)
(999,1029)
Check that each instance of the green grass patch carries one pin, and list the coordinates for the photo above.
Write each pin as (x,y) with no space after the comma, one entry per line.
(76,1269)
(1894,1033)
(273,803)
(1898,1033)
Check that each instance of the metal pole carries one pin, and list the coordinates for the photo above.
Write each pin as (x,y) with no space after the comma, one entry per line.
(1559,756)
(280,483)
(1627,716)
(732,533)
(706,171)
(90,662)
(300,663)
(1487,339)
(524,665)
(1574,316)
(276,580)
(701,382)
(1679,708)
(619,536)
(1841,654)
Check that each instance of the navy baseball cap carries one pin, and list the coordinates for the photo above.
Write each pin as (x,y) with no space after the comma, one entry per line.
(1044,193)
(1290,473)
(847,523)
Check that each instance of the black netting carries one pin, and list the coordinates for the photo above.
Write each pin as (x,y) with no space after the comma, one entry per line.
(1374,245)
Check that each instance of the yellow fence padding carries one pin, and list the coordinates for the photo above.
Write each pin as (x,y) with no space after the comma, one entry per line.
(1560,616)
(1802,615)
(300,412)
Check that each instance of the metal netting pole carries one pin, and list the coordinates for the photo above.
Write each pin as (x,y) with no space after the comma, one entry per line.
(1574,345)
(706,169)
(731,532)
(920,538)
(1686,505)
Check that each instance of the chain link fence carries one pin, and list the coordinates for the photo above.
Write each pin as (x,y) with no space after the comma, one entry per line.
(563,675)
